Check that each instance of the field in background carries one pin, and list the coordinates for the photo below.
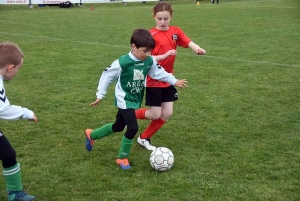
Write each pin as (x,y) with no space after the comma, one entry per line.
(235,130)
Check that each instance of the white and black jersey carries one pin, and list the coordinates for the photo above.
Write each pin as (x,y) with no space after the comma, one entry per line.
(12,112)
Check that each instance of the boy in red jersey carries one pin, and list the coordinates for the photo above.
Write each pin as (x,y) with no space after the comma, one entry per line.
(161,95)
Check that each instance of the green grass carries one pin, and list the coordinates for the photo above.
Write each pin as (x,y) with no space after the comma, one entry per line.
(234,132)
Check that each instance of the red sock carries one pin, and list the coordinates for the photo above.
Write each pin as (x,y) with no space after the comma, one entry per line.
(154,126)
(140,113)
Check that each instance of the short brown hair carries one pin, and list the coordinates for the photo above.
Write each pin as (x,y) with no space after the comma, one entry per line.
(10,53)
(162,6)
(142,38)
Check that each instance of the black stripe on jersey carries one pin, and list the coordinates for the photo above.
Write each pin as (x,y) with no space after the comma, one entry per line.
(158,66)
(107,68)
(2,95)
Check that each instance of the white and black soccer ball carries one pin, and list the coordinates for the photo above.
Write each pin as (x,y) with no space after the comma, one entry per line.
(162,159)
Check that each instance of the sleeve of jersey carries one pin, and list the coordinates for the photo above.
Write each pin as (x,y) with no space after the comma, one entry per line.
(13,112)
(111,73)
(157,72)
(183,40)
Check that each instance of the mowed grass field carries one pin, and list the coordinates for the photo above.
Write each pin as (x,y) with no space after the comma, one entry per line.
(235,129)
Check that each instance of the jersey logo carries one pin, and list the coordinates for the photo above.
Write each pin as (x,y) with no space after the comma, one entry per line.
(175,38)
(138,75)
(2,95)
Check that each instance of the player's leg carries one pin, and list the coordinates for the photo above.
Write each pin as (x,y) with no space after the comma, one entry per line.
(144,138)
(168,96)
(153,99)
(92,135)
(128,117)
(155,125)
(12,171)
(105,130)
(166,110)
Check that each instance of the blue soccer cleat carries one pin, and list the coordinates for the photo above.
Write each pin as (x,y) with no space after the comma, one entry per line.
(19,196)
(89,142)
(123,163)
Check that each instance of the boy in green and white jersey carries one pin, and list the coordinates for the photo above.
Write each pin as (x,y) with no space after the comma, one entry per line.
(11,60)
(130,70)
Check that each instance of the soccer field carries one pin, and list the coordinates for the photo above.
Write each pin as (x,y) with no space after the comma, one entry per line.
(235,131)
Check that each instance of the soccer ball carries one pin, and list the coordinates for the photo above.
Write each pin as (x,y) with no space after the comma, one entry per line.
(162,159)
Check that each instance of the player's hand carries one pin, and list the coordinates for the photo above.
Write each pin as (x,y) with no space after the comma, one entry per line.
(95,103)
(200,51)
(170,53)
(181,83)
(34,118)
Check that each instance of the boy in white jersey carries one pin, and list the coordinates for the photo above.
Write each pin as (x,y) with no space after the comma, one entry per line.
(130,70)
(11,60)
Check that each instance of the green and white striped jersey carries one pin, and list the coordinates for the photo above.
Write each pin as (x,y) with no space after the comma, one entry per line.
(131,73)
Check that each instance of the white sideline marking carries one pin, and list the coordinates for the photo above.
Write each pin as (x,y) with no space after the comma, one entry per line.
(110,45)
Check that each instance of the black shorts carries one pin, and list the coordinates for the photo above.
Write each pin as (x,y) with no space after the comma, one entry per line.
(155,95)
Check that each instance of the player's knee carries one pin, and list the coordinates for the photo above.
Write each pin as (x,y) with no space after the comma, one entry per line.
(116,128)
(155,116)
(132,128)
(131,131)
(153,113)
(167,115)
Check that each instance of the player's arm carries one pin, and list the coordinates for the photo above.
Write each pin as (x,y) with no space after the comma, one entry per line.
(158,72)
(164,56)
(111,73)
(14,112)
(185,41)
(196,48)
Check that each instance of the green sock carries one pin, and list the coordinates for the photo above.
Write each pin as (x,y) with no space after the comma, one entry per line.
(125,148)
(102,131)
(13,178)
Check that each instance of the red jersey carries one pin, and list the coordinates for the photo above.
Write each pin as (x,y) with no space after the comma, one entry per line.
(165,41)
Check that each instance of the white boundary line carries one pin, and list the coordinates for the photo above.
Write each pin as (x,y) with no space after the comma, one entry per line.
(110,45)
